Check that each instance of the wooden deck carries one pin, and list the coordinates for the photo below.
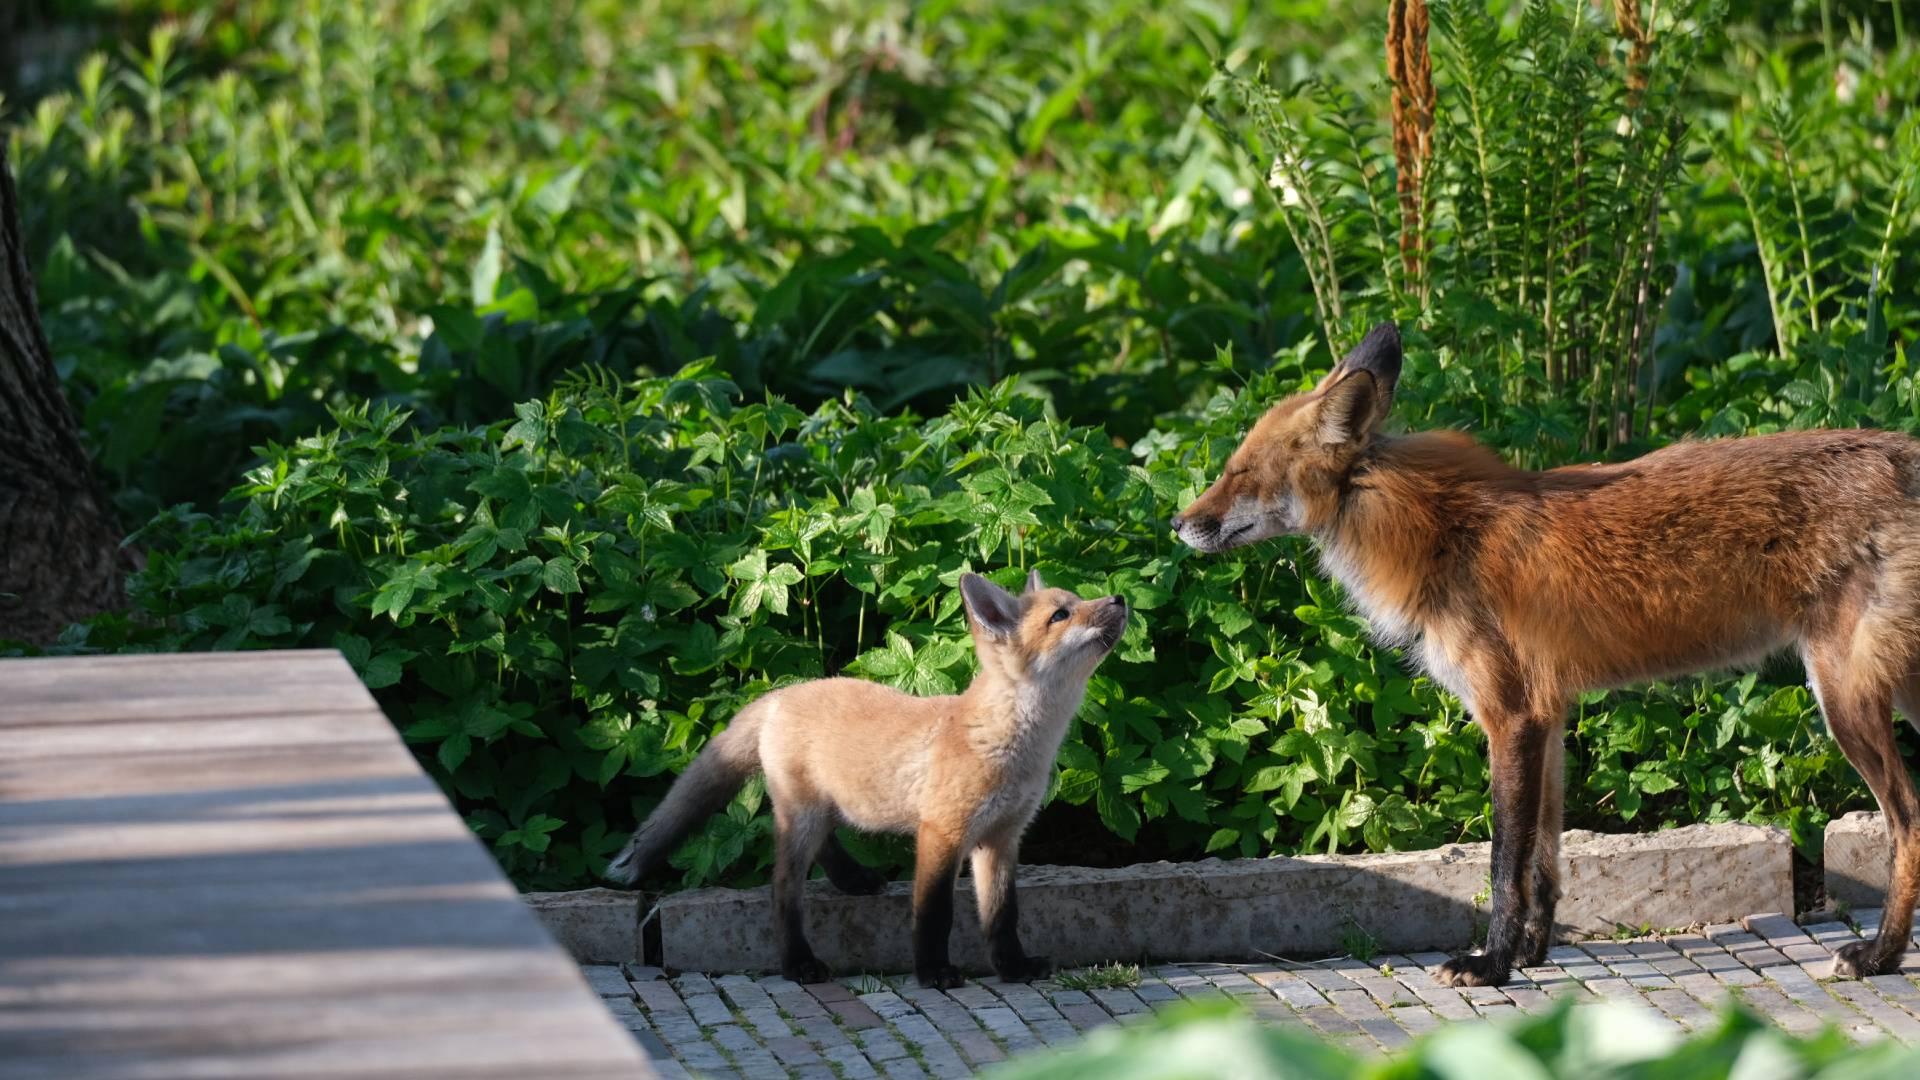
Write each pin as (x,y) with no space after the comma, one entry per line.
(229,865)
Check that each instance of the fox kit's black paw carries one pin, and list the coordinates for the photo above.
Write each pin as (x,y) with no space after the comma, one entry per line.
(1027,970)
(806,971)
(1474,970)
(860,881)
(945,977)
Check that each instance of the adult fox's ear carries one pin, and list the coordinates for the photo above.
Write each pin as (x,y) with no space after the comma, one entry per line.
(1357,395)
(1378,354)
(1034,584)
(994,610)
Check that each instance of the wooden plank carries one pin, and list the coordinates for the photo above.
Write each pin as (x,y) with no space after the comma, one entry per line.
(229,865)
(247,685)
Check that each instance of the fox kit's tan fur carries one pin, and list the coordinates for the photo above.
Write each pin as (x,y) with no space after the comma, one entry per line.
(1518,590)
(962,774)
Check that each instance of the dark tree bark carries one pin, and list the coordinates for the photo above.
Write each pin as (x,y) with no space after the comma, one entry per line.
(60,555)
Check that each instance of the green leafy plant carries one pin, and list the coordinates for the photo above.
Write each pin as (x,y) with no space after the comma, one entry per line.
(1113,976)
(1608,1040)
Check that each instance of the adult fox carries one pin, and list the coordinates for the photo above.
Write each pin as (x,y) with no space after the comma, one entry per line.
(1518,590)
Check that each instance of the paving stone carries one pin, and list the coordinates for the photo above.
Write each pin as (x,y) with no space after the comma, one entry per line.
(1797,985)
(828,992)
(708,1009)
(1006,1025)
(1120,1001)
(798,1004)
(831,1042)
(766,1022)
(973,996)
(1811,952)
(1689,944)
(1681,1008)
(772,1027)
(1329,1021)
(1610,987)
(1704,988)
(1155,992)
(936,1053)
(748,1055)
(903,1069)
(887,1005)
(880,1044)
(1325,979)
(1894,988)
(1891,1018)
(701,1057)
(1556,982)
(1289,987)
(1415,1020)
(1830,933)
(1528,999)
(607,980)
(1028,1002)
(1759,957)
(659,997)
(1234,984)
(1739,975)
(1085,1017)
(1379,987)
(1359,1007)
(1776,928)
(978,1047)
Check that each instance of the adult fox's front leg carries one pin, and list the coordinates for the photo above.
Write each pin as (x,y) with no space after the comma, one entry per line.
(1518,743)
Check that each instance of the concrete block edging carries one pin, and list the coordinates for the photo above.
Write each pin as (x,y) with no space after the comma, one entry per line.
(1242,909)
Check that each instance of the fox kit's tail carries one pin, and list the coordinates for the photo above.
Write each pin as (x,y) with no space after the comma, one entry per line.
(719,770)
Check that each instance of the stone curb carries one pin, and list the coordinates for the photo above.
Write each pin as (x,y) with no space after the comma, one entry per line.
(1859,859)
(1238,909)
(598,926)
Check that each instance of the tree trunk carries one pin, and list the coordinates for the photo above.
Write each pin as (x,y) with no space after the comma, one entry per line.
(60,555)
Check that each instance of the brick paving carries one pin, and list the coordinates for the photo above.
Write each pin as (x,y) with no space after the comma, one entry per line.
(719,1026)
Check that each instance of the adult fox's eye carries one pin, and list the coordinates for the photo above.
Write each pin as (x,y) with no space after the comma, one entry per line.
(1059,615)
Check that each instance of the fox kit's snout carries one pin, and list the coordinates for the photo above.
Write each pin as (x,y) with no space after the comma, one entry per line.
(962,774)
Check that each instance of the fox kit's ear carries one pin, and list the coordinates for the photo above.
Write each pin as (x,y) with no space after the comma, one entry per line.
(1034,584)
(1359,390)
(992,608)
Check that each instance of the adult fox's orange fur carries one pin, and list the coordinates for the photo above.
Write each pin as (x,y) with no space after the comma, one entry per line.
(962,774)
(1518,590)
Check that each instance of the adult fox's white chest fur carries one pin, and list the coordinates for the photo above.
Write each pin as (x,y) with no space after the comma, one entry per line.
(962,774)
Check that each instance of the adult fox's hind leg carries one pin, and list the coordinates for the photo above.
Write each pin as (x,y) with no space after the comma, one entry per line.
(1857,706)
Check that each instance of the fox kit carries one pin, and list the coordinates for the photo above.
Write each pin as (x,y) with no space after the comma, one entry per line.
(1517,590)
(961,774)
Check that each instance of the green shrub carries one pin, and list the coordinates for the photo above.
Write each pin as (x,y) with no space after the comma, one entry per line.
(560,609)
(518,301)
(1597,1042)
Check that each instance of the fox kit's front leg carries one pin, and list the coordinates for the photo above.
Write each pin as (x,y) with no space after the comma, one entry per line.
(936,861)
(994,863)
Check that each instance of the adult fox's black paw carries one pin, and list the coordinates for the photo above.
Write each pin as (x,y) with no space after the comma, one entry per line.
(945,977)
